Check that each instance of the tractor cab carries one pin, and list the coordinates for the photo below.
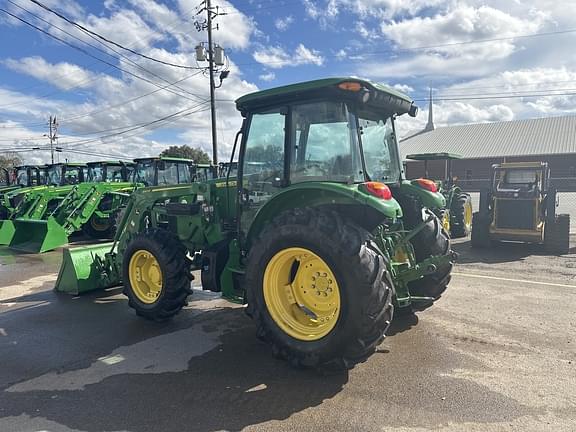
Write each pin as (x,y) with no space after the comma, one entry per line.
(109,171)
(203,172)
(27,176)
(521,206)
(457,215)
(526,181)
(163,170)
(65,174)
(227,169)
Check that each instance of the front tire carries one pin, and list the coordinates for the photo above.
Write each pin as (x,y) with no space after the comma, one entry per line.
(461,216)
(557,235)
(156,275)
(308,254)
(480,231)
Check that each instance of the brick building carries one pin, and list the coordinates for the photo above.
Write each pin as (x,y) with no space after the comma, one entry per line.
(551,140)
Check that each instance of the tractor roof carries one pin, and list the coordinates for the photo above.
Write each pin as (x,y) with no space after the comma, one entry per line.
(164,158)
(433,156)
(69,164)
(520,165)
(380,95)
(27,166)
(112,162)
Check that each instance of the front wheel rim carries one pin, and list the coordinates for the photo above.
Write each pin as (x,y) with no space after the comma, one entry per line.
(301,294)
(145,276)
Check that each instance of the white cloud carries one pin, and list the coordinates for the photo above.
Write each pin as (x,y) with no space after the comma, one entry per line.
(282,24)
(276,57)
(461,24)
(270,76)
(62,75)
(403,88)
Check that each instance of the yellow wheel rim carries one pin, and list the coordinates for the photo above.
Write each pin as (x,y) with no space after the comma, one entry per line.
(468,216)
(446,220)
(98,225)
(145,276)
(301,294)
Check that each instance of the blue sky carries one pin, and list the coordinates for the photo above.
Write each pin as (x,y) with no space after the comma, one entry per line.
(478,56)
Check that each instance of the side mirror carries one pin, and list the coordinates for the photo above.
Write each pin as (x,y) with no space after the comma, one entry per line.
(413,112)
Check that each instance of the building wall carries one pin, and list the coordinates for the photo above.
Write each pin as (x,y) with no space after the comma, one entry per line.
(473,174)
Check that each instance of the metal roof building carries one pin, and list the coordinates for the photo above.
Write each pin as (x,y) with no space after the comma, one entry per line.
(533,137)
(551,140)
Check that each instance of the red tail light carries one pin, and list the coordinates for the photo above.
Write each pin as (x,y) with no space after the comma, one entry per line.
(379,190)
(427,184)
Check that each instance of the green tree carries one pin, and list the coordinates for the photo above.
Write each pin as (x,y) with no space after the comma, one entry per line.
(9,160)
(185,151)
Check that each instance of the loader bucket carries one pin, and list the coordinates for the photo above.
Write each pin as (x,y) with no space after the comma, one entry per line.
(6,232)
(38,236)
(81,270)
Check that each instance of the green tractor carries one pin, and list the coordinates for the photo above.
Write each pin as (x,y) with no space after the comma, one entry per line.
(521,206)
(24,176)
(89,206)
(335,241)
(457,215)
(93,207)
(55,182)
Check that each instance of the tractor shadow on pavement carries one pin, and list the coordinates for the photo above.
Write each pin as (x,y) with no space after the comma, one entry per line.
(234,384)
(500,252)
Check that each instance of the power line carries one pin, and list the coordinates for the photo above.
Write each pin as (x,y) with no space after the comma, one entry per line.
(496,96)
(104,52)
(97,58)
(108,40)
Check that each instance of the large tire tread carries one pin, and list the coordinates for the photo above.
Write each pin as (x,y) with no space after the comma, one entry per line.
(175,266)
(373,290)
(458,227)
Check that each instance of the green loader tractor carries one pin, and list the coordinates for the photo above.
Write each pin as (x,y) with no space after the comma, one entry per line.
(336,239)
(25,176)
(34,202)
(90,206)
(94,206)
(457,215)
(521,206)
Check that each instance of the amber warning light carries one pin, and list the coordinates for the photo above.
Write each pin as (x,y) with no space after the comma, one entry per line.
(427,184)
(379,190)
(350,86)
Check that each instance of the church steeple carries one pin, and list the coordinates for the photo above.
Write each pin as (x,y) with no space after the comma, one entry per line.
(430,125)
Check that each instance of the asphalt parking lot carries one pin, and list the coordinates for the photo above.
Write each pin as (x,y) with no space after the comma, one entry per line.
(497,352)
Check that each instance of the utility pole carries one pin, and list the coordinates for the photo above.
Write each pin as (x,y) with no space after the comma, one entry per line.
(52,135)
(215,59)
(212,101)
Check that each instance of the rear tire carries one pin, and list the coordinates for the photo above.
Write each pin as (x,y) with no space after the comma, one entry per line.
(461,216)
(363,284)
(480,231)
(161,294)
(557,235)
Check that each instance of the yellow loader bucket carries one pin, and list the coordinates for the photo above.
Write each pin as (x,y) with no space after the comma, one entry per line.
(6,232)
(82,270)
(38,236)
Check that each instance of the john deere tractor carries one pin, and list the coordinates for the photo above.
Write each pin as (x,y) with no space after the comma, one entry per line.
(93,207)
(457,215)
(521,206)
(24,176)
(34,202)
(337,240)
